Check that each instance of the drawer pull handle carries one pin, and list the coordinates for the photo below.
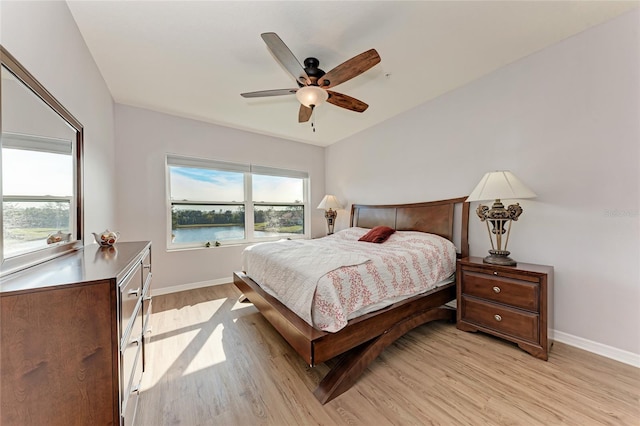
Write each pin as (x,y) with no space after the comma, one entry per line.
(136,341)
(134,292)
(497,317)
(146,266)
(496,289)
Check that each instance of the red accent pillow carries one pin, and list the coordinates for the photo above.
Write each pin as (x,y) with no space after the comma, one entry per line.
(378,235)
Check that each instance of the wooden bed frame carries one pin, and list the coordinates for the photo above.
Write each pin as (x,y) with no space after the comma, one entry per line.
(365,337)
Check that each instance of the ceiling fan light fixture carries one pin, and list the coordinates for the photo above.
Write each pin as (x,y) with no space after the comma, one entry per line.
(311,96)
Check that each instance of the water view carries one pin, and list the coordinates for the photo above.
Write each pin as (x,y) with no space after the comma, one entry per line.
(218,233)
(202,223)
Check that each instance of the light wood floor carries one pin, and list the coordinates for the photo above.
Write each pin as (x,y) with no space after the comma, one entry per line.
(218,362)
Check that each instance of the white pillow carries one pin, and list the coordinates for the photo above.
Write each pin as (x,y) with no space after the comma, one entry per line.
(350,234)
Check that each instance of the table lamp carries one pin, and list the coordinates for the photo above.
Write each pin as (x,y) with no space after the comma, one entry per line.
(495,186)
(330,204)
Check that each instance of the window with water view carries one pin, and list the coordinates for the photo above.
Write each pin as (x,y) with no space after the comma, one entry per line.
(213,203)
(36,212)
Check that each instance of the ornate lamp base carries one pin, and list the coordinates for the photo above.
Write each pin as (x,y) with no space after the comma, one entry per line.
(500,257)
(330,215)
(500,218)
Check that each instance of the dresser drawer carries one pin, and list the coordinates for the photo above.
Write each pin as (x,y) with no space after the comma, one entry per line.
(147,308)
(129,413)
(509,291)
(513,322)
(130,350)
(146,266)
(147,299)
(130,293)
(131,395)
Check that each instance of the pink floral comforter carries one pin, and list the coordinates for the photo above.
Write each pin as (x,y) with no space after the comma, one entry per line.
(407,264)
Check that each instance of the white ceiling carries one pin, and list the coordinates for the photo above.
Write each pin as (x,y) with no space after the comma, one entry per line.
(194,58)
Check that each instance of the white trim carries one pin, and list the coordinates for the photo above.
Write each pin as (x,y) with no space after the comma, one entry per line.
(180,161)
(37,143)
(597,348)
(190,286)
(274,171)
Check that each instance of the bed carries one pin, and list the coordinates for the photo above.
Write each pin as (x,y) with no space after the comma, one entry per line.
(366,336)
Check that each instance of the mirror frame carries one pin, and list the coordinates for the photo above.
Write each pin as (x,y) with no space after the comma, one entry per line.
(23,261)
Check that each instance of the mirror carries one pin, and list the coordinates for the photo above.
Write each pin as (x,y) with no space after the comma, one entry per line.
(41,168)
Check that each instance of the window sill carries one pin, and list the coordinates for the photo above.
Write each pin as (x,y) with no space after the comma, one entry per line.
(235,244)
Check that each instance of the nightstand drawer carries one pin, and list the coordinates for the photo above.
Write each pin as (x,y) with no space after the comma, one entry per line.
(509,291)
(514,322)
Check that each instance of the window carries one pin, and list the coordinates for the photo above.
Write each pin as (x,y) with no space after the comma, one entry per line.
(36,212)
(213,203)
(40,166)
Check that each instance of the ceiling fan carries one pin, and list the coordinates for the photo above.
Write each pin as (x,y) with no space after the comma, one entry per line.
(313,83)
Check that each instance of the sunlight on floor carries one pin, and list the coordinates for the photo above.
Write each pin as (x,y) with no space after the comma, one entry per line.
(240,305)
(176,331)
(210,354)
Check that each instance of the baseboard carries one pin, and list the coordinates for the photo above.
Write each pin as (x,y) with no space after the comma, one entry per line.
(190,286)
(597,348)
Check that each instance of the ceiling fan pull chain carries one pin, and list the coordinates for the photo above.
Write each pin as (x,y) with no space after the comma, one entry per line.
(313,118)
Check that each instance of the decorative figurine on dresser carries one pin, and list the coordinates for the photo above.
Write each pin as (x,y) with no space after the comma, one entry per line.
(511,302)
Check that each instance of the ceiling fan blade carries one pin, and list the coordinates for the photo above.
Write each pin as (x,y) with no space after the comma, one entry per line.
(285,57)
(274,92)
(351,68)
(304,114)
(347,102)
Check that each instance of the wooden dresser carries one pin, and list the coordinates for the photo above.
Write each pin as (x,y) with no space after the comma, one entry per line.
(511,302)
(72,337)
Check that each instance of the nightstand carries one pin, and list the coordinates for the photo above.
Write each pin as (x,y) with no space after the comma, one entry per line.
(511,302)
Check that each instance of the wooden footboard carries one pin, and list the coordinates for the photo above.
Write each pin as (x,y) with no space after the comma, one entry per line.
(359,343)
(355,361)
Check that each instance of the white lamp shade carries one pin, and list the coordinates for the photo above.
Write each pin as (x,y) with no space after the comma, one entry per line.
(500,185)
(329,202)
(311,95)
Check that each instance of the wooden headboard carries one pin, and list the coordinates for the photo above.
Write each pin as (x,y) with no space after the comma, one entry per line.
(434,217)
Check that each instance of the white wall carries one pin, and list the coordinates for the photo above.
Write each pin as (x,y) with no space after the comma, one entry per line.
(44,38)
(565,120)
(143,138)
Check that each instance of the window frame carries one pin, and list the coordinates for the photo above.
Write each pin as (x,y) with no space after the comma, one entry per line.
(25,260)
(248,171)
